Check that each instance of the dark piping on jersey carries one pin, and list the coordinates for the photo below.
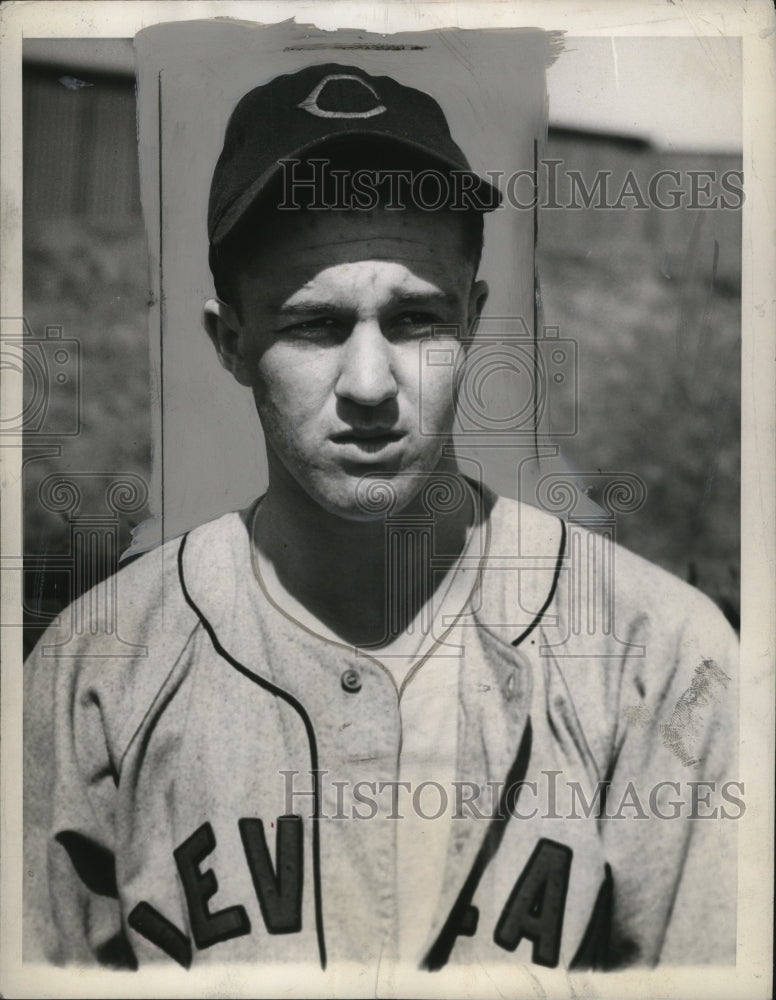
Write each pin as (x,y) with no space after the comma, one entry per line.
(463,916)
(553,588)
(289,699)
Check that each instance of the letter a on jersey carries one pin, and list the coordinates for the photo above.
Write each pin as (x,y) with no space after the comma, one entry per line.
(536,905)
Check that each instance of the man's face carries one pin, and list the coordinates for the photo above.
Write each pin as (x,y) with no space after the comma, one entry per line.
(334,312)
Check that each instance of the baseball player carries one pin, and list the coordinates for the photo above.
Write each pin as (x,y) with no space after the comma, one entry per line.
(366,718)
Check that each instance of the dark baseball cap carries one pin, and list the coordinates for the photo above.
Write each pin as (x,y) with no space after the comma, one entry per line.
(294,114)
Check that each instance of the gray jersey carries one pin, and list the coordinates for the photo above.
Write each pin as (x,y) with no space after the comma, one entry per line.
(226,790)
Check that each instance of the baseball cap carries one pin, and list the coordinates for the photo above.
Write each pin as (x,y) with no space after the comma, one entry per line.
(293,114)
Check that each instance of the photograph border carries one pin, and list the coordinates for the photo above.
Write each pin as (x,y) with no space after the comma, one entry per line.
(754,22)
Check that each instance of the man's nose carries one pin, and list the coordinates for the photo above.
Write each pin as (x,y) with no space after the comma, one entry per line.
(366,372)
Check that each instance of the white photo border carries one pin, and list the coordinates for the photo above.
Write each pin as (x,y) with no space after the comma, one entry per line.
(755,23)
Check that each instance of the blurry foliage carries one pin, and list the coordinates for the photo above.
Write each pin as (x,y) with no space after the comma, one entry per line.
(659,396)
(90,279)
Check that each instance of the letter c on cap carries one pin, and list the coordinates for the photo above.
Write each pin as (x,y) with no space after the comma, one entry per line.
(310,103)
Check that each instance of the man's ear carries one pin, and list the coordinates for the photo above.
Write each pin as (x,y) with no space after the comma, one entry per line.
(225,330)
(477,299)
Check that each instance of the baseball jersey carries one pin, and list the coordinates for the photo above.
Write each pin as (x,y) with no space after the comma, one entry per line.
(209,780)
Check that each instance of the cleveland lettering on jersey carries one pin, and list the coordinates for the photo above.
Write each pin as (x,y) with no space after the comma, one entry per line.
(534,910)
(278,889)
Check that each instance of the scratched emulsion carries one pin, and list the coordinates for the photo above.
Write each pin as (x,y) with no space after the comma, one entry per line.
(685,723)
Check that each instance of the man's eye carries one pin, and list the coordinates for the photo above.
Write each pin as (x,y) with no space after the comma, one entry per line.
(415,321)
(415,318)
(314,324)
(317,327)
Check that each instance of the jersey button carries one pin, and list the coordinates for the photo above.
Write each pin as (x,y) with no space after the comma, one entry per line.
(351,680)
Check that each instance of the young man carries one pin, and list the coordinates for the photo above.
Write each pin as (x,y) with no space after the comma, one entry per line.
(363,722)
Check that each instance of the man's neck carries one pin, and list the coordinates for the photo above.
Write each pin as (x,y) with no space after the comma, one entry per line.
(365,580)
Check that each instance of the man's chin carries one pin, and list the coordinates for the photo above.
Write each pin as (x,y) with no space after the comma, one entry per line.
(372,498)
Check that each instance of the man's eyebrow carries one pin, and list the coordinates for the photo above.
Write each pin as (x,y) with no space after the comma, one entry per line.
(418,297)
(307,306)
(304,308)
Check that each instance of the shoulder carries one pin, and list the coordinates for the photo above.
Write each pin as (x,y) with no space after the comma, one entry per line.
(623,644)
(100,667)
(119,639)
(141,596)
(588,575)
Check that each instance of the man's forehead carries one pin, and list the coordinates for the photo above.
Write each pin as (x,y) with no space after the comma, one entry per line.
(372,247)
(339,219)
(389,253)
(363,280)
(300,247)
(407,232)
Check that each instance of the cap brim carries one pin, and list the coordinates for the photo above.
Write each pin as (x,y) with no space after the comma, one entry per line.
(252,194)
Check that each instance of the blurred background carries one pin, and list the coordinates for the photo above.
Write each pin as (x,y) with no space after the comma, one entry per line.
(650,296)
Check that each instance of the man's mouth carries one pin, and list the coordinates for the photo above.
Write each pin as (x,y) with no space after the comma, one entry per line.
(369,440)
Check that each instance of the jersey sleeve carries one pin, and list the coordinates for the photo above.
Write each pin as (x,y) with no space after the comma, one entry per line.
(71,909)
(674,797)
